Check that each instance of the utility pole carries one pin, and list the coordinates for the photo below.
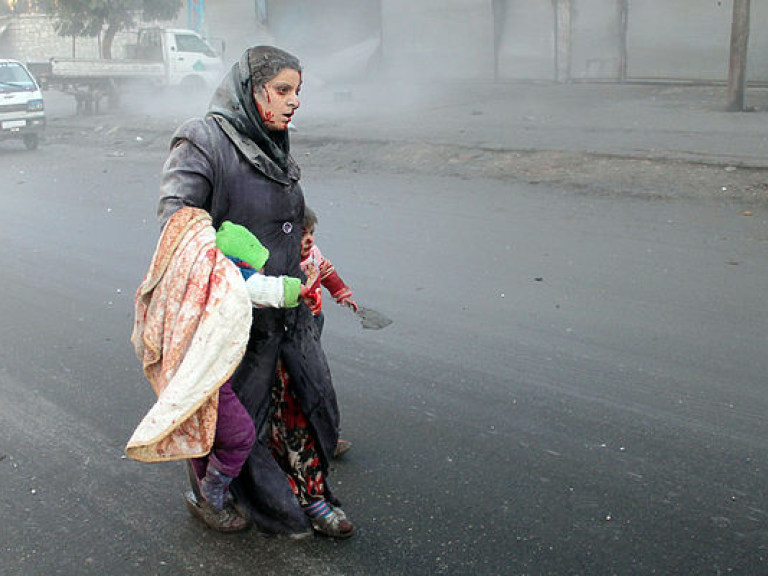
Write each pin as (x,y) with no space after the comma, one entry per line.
(737,66)
(562,40)
(623,15)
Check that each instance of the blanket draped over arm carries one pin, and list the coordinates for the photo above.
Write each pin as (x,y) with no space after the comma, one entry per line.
(192,323)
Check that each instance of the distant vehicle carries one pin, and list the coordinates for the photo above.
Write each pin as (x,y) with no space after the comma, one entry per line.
(22,113)
(161,57)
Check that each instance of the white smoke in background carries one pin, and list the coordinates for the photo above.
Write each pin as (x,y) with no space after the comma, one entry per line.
(337,42)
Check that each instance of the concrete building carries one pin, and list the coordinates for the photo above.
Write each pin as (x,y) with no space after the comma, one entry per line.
(33,38)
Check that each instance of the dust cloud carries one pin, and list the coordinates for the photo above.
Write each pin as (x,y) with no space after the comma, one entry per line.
(168,103)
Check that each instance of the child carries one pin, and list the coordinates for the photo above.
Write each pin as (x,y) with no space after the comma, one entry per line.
(320,272)
(235,432)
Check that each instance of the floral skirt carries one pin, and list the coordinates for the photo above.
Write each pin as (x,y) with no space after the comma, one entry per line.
(291,441)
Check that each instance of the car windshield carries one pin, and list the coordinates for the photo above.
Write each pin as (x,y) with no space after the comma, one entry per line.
(15,76)
(191,43)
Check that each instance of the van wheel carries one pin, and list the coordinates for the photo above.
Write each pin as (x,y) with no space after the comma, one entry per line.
(31,141)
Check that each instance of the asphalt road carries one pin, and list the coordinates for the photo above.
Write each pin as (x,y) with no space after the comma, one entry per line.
(573,383)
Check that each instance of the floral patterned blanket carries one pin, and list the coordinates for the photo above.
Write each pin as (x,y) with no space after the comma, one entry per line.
(192,322)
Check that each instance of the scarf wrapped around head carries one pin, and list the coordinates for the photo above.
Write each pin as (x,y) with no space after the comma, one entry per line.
(233,99)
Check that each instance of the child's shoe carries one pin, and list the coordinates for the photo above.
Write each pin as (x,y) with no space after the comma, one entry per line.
(329,520)
(226,520)
(342,447)
(213,506)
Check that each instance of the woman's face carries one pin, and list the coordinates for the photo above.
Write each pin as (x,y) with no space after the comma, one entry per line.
(278,99)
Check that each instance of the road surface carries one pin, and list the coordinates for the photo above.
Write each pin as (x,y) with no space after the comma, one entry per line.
(574,382)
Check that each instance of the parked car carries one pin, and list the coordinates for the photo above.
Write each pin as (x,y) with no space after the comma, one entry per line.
(22,112)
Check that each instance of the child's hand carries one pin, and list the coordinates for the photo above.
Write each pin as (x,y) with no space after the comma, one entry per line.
(347,301)
(310,299)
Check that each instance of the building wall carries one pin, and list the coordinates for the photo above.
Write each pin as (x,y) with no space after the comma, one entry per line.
(525,39)
(597,36)
(677,41)
(672,40)
(33,38)
(452,39)
(757,58)
(518,39)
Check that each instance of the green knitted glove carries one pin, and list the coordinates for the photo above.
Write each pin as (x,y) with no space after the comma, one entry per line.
(291,291)
(238,242)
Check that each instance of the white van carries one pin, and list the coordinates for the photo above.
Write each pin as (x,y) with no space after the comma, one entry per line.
(22,113)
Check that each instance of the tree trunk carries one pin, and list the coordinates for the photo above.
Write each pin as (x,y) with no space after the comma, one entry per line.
(109,36)
(737,67)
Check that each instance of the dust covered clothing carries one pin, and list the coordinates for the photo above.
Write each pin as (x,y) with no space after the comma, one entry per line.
(245,177)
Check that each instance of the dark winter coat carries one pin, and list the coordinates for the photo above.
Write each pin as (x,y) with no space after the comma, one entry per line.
(214,166)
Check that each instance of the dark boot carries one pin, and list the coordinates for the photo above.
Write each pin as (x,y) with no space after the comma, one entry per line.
(211,505)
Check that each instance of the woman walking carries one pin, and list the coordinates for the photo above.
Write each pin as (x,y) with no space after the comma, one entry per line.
(235,163)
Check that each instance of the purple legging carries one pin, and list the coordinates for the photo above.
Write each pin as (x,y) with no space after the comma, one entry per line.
(235,435)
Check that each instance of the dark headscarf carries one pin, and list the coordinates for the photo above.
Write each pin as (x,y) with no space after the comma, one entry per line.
(233,99)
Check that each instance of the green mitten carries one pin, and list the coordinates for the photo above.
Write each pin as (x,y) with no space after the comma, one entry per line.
(291,291)
(238,242)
